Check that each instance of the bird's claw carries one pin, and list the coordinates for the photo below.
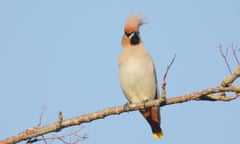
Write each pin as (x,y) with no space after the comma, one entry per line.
(126,106)
(144,103)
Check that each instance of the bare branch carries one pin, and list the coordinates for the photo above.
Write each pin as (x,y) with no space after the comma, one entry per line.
(73,134)
(44,139)
(235,54)
(197,95)
(218,93)
(34,132)
(231,78)
(164,83)
(225,57)
(41,116)
(212,97)
(168,67)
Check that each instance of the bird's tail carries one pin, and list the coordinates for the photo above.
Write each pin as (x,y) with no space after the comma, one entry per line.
(158,135)
(152,116)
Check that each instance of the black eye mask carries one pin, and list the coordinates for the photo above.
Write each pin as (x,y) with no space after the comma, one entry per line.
(135,39)
(128,34)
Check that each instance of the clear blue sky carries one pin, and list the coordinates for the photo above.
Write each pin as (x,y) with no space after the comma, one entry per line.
(63,54)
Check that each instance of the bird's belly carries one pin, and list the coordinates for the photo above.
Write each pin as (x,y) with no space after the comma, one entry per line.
(138,82)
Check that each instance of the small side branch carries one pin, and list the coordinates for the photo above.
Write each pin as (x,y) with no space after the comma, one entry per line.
(41,116)
(231,78)
(59,122)
(234,50)
(164,82)
(220,97)
(224,55)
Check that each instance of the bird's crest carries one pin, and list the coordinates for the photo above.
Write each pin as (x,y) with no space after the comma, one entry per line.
(133,23)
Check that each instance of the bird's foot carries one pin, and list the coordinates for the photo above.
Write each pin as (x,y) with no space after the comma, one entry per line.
(126,106)
(144,103)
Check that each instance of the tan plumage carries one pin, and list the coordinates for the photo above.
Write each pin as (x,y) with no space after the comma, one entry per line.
(134,22)
(137,72)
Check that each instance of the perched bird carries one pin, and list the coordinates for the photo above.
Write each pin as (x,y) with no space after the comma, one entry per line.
(137,73)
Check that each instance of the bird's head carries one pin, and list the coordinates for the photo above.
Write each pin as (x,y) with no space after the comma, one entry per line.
(131,30)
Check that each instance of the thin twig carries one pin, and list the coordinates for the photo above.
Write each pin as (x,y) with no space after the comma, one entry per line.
(225,57)
(73,134)
(168,67)
(44,139)
(164,82)
(41,116)
(212,97)
(235,54)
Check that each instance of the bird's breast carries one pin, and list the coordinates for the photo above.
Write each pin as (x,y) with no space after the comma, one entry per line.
(137,79)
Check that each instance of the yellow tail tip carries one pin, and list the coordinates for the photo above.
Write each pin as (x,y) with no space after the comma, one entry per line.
(158,135)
